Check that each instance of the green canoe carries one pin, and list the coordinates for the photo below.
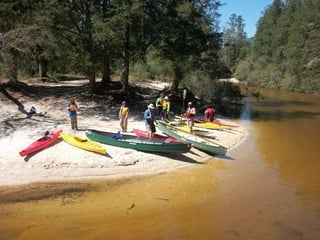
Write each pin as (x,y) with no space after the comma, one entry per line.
(197,141)
(137,143)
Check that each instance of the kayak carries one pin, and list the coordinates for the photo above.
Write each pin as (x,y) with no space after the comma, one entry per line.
(144,134)
(134,142)
(41,143)
(197,141)
(83,143)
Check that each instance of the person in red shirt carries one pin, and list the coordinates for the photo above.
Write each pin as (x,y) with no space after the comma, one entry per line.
(209,114)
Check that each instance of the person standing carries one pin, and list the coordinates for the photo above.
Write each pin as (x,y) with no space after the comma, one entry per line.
(123,116)
(149,121)
(159,105)
(72,108)
(209,114)
(165,108)
(191,114)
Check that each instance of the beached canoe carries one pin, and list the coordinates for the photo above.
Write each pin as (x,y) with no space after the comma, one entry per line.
(216,125)
(83,143)
(137,143)
(41,143)
(144,134)
(197,141)
(180,126)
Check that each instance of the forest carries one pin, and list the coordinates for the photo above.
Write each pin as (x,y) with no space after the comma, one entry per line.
(179,42)
(285,52)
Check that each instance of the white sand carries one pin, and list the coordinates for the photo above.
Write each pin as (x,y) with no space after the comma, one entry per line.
(62,161)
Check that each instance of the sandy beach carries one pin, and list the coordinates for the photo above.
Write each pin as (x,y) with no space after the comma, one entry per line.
(63,162)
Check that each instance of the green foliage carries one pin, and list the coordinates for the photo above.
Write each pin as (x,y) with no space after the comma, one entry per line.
(236,43)
(286,48)
(187,32)
(153,68)
(100,37)
(212,90)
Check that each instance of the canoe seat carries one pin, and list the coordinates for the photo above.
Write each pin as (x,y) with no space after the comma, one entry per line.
(80,139)
(117,135)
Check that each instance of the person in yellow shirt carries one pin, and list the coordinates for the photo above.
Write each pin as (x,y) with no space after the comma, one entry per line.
(165,108)
(123,116)
(159,105)
(72,108)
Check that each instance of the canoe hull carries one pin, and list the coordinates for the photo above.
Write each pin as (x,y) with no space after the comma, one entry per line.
(82,143)
(196,141)
(133,142)
(40,144)
(144,134)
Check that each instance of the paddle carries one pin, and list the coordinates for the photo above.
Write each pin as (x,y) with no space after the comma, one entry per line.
(184,96)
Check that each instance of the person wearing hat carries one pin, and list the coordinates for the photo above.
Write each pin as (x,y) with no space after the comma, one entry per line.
(191,114)
(123,116)
(149,120)
(165,108)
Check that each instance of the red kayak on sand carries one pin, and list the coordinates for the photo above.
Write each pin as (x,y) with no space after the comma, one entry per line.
(41,143)
(144,134)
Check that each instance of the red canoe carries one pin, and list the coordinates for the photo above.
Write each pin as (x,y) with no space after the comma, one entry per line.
(41,143)
(141,133)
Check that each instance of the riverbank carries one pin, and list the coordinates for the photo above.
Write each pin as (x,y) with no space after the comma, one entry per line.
(63,162)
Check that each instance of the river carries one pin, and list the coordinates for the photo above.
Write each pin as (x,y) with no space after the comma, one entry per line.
(267,188)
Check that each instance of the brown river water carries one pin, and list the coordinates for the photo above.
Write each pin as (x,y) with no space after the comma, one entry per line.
(267,188)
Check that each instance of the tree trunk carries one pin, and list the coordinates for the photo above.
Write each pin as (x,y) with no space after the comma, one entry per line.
(92,83)
(177,77)
(124,77)
(106,72)
(126,62)
(40,71)
(43,69)
(10,61)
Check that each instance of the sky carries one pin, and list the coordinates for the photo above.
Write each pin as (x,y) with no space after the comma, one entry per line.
(250,10)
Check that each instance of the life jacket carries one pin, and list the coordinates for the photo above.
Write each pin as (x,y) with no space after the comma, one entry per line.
(191,112)
(166,105)
(159,102)
(123,111)
(73,107)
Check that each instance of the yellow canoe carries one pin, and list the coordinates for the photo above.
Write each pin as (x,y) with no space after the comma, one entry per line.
(185,128)
(83,143)
(215,125)
(211,125)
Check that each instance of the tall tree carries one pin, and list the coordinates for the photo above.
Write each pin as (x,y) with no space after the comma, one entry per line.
(235,40)
(267,24)
(71,22)
(16,39)
(129,40)
(187,31)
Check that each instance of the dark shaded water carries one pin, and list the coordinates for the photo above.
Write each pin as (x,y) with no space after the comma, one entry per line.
(270,189)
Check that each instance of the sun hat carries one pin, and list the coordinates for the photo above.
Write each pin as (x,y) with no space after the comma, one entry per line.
(151,106)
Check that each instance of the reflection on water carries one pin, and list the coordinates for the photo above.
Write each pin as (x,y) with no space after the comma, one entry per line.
(288,136)
(269,190)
